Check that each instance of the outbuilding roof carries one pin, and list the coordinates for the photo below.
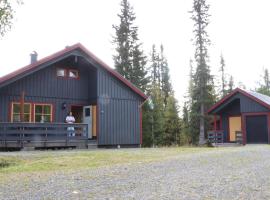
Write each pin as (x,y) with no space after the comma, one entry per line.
(262,99)
(24,70)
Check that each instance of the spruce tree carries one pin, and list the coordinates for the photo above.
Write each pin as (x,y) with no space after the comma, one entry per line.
(154,67)
(139,73)
(264,87)
(166,122)
(172,124)
(231,84)
(129,59)
(223,77)
(157,115)
(185,128)
(166,86)
(147,125)
(203,91)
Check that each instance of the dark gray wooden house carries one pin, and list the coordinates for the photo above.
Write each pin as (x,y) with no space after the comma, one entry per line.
(242,112)
(35,100)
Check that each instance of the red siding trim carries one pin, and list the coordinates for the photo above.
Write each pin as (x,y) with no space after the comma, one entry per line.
(233,93)
(215,122)
(244,115)
(30,67)
(220,122)
(141,132)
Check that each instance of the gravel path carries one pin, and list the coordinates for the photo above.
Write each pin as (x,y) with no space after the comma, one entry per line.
(228,173)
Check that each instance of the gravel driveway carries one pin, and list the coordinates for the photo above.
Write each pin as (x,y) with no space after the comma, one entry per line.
(228,173)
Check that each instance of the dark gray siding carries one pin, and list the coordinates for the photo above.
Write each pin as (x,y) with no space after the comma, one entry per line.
(119,112)
(249,105)
(45,87)
(120,122)
(225,126)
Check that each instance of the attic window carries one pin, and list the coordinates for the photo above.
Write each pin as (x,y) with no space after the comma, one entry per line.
(61,72)
(72,73)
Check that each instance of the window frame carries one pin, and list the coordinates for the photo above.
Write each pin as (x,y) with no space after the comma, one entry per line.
(73,70)
(12,113)
(42,114)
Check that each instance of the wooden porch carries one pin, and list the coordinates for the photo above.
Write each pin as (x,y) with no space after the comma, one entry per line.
(216,138)
(43,135)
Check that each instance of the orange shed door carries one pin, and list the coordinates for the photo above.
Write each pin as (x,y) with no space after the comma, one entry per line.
(235,124)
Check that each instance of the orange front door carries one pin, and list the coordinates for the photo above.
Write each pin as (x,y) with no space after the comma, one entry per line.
(235,124)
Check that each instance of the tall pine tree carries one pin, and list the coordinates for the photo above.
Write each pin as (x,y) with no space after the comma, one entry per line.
(164,115)
(223,76)
(157,115)
(129,59)
(203,91)
(172,124)
(154,67)
(230,84)
(166,86)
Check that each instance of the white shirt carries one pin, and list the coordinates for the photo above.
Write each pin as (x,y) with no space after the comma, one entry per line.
(70,119)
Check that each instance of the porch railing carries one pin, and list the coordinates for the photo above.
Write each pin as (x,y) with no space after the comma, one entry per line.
(215,136)
(22,133)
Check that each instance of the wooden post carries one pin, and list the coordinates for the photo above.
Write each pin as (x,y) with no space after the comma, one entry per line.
(215,122)
(22,107)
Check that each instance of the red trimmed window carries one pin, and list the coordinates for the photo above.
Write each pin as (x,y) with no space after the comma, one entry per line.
(42,113)
(72,73)
(68,73)
(16,112)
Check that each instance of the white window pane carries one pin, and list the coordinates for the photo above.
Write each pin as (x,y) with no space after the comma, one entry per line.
(61,72)
(73,74)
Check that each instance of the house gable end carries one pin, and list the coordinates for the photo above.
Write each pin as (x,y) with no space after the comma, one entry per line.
(249,103)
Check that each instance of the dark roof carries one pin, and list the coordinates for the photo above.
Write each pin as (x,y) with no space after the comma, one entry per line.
(58,54)
(257,97)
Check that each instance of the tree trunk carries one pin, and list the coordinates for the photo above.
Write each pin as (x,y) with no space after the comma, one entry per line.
(201,136)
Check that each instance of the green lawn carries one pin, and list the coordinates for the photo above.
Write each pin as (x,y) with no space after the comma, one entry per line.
(37,161)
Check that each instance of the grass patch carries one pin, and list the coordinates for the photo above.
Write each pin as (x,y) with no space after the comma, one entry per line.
(23,162)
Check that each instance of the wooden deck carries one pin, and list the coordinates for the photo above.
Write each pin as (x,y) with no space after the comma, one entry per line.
(43,135)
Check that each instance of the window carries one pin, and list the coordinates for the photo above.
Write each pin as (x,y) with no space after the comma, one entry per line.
(73,73)
(69,73)
(43,112)
(61,72)
(16,112)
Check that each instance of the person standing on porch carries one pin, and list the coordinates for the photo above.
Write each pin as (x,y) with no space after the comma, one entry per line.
(70,120)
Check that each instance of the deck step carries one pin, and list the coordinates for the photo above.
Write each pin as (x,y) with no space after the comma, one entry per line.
(92,144)
(226,144)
